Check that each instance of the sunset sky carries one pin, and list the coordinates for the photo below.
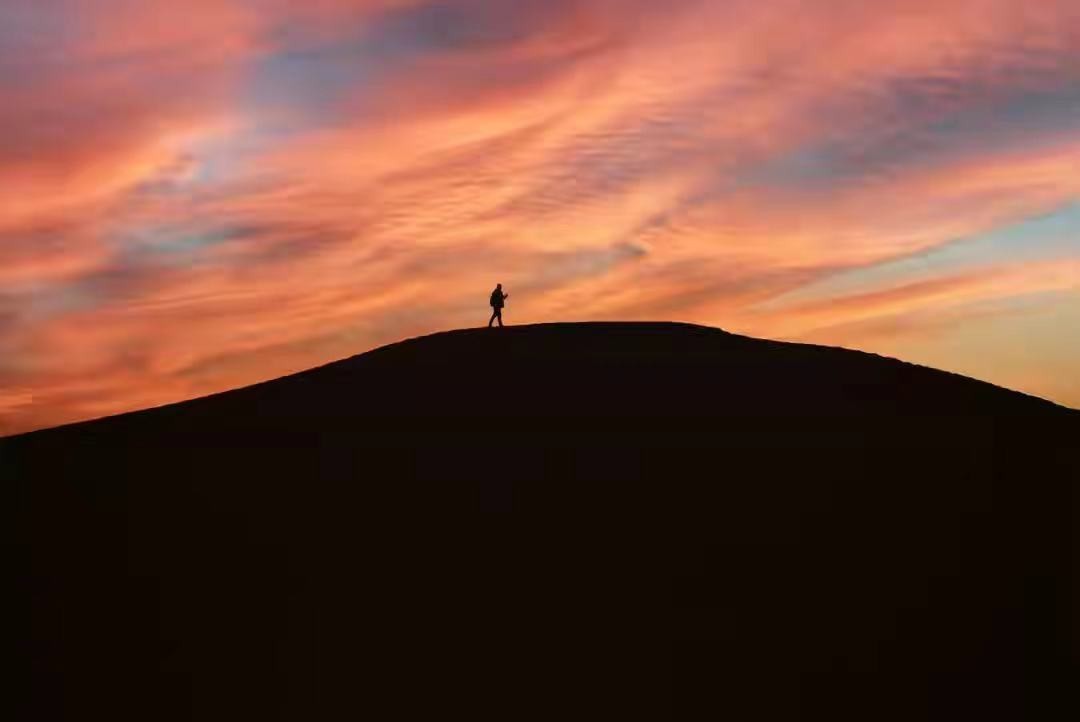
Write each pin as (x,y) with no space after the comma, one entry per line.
(200,195)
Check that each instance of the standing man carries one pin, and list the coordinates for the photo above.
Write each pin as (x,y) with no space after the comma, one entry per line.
(498,300)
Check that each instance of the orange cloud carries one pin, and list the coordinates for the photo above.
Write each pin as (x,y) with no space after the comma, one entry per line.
(828,317)
(201,196)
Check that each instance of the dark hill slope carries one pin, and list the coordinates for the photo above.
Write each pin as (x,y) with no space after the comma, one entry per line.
(589,521)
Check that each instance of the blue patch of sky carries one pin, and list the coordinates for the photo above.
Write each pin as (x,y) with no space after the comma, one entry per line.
(308,84)
(151,248)
(448,25)
(35,42)
(1023,117)
(138,253)
(1055,235)
(173,245)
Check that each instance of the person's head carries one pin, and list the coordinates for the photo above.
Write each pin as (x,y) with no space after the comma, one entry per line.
(498,286)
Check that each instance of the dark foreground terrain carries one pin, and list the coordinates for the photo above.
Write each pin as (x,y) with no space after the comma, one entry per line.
(587,522)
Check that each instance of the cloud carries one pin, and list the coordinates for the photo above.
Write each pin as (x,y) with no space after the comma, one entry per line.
(204,195)
(929,296)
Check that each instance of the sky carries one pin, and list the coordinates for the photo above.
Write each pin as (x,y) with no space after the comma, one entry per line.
(205,194)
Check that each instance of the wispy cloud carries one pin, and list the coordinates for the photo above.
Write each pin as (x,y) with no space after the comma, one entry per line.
(206,194)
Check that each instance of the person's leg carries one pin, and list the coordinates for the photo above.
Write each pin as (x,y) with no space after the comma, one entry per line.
(491,320)
(499,312)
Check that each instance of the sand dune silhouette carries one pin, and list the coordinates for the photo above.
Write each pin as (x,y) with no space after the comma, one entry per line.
(566,521)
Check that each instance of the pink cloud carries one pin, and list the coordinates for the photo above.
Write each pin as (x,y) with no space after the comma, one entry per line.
(166,235)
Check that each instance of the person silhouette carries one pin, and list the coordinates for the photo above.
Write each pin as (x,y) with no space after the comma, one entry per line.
(498,300)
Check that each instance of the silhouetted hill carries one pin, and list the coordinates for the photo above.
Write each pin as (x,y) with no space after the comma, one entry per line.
(587,521)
